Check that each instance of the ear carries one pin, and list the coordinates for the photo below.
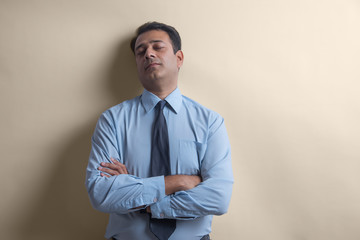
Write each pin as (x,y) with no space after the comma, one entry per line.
(179,58)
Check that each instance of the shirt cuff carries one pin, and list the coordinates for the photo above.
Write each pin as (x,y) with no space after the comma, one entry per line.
(165,209)
(162,209)
(154,189)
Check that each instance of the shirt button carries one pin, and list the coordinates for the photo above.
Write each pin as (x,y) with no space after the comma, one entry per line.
(155,199)
(162,215)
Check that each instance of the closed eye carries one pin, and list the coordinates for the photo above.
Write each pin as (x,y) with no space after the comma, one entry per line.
(140,51)
(158,46)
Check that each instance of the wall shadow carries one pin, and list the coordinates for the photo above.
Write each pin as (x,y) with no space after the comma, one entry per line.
(63,211)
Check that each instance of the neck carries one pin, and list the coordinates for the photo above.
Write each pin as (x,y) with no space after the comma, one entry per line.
(162,93)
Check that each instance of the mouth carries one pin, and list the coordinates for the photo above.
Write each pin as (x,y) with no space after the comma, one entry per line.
(150,65)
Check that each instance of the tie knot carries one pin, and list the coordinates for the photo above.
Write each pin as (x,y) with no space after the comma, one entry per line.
(161,104)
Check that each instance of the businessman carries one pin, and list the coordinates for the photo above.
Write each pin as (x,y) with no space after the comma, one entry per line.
(160,163)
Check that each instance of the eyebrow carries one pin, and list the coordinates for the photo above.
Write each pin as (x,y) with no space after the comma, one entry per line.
(152,41)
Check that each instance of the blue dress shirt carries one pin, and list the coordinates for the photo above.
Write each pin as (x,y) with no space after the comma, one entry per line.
(199,145)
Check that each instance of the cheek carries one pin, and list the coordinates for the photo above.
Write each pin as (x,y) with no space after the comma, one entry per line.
(139,62)
(139,67)
(172,62)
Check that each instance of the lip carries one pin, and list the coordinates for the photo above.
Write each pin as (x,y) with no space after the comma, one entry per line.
(151,65)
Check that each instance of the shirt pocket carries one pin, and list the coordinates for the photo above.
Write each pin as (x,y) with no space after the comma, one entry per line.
(189,157)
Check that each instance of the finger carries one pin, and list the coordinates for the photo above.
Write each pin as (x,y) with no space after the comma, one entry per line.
(114,160)
(110,165)
(109,171)
(104,175)
(122,168)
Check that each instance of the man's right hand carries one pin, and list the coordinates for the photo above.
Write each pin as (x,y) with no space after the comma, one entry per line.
(175,183)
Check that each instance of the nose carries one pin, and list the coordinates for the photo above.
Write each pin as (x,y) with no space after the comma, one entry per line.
(149,53)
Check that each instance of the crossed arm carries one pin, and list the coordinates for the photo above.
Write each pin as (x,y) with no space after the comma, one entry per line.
(173,183)
(111,189)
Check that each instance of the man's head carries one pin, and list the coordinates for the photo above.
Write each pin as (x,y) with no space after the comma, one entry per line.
(171,31)
(158,57)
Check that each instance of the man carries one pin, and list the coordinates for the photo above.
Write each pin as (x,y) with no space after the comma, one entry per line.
(160,163)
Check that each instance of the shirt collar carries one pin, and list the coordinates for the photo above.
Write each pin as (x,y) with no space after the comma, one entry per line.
(149,100)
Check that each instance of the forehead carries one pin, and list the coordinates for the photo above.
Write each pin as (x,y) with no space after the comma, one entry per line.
(152,36)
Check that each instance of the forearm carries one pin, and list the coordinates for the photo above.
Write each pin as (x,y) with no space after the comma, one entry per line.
(176,183)
(210,197)
(128,192)
(124,193)
(119,193)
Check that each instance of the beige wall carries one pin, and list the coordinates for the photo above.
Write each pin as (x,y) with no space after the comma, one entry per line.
(284,75)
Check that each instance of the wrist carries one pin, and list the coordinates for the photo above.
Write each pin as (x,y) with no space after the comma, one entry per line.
(174,183)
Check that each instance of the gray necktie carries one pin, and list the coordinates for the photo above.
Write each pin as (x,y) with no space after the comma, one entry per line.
(160,165)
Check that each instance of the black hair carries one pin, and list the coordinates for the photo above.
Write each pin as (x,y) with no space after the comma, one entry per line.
(171,31)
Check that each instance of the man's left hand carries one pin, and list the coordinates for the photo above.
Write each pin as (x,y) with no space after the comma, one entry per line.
(111,169)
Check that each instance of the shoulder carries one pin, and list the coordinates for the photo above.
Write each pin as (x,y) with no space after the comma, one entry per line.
(199,110)
(121,109)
